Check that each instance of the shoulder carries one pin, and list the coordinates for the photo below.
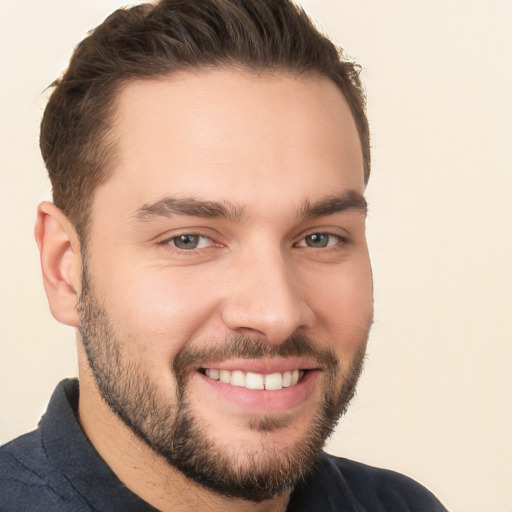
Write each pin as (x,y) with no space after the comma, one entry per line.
(27,479)
(389,487)
(342,484)
(17,459)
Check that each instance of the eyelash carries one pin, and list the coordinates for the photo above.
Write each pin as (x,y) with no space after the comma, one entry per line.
(171,241)
(336,240)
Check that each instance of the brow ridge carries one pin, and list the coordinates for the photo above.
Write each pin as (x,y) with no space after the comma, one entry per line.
(170,206)
(336,203)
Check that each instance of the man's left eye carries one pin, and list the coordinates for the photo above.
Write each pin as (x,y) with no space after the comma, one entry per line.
(189,242)
(319,240)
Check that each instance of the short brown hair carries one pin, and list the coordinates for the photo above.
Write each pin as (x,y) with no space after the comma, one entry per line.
(153,40)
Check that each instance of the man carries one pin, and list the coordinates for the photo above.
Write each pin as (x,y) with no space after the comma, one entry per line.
(207,241)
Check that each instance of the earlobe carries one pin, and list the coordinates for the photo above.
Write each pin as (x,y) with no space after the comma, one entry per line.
(60,257)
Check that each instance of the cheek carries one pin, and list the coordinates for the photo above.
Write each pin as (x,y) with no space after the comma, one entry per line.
(356,296)
(158,306)
(344,307)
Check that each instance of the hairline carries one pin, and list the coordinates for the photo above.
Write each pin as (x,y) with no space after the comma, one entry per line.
(108,142)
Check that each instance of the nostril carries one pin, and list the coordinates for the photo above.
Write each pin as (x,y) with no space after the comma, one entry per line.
(267,304)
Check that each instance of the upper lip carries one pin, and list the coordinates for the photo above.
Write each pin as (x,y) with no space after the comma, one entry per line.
(265,366)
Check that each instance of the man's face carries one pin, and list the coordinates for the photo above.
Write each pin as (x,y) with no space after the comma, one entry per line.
(227,288)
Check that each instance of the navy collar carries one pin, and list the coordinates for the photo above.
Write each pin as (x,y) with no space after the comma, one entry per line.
(71,453)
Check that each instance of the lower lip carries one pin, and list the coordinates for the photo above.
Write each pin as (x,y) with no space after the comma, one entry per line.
(262,401)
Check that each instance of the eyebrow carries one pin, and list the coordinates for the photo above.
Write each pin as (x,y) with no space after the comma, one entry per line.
(173,206)
(330,205)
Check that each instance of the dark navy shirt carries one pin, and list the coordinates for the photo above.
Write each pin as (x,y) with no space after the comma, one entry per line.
(56,469)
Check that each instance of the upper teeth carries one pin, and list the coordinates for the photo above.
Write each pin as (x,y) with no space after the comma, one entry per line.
(249,380)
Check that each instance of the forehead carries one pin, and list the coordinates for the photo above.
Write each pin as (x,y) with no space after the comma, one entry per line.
(219,134)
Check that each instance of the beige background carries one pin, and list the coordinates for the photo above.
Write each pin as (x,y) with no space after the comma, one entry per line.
(435,398)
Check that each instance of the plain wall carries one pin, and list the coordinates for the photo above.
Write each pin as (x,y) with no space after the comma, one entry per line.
(434,401)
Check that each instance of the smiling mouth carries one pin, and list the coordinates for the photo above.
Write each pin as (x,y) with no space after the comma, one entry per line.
(258,381)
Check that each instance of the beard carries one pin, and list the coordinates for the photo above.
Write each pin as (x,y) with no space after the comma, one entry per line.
(168,425)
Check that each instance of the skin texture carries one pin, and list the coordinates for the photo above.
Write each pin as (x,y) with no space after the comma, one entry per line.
(255,152)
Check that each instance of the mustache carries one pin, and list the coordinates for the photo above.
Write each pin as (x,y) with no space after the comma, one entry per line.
(245,347)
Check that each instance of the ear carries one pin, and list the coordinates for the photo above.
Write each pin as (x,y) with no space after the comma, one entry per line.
(61,263)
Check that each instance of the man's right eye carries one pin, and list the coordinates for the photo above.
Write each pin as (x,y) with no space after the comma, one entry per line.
(188,242)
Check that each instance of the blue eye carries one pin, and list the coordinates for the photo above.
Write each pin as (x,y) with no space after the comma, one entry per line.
(189,242)
(319,240)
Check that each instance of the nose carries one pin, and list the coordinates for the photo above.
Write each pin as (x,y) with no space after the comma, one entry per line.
(264,298)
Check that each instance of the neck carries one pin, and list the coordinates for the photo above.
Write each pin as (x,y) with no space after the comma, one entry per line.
(147,474)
